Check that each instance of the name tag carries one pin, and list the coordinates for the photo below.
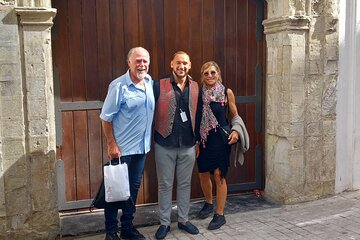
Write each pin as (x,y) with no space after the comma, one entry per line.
(183,116)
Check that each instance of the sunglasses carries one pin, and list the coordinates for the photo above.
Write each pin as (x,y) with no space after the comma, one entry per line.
(212,73)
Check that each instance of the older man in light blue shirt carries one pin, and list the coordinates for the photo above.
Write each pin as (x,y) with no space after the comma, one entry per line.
(127,116)
(130,108)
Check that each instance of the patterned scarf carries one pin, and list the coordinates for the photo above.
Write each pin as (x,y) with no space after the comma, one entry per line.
(208,120)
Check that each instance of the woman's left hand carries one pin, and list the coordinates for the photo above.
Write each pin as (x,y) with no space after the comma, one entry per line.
(197,150)
(233,137)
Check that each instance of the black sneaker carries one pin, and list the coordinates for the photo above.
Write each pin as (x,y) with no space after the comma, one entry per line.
(112,236)
(206,210)
(131,233)
(217,222)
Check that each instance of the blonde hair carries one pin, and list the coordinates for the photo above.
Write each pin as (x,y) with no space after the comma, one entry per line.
(211,64)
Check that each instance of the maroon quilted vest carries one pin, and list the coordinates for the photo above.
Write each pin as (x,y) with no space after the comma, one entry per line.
(166,106)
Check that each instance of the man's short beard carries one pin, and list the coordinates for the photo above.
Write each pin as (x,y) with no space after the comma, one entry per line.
(179,76)
(140,75)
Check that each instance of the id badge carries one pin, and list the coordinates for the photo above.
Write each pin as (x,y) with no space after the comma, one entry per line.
(183,116)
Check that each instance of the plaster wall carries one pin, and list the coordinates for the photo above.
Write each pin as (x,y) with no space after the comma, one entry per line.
(348,108)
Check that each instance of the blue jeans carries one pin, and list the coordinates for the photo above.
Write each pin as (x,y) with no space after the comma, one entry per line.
(135,164)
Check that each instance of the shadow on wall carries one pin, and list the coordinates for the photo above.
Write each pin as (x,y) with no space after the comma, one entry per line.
(28,199)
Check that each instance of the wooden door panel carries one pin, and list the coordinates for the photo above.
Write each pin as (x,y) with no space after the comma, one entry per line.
(91,39)
(81,155)
(95,151)
(68,155)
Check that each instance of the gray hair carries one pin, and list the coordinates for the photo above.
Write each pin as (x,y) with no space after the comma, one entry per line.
(131,52)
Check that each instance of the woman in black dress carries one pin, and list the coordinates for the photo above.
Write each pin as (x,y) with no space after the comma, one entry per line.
(216,102)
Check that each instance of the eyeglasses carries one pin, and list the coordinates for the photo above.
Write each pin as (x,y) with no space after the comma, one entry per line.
(212,73)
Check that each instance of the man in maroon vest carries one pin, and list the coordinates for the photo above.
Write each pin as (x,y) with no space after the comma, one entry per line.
(176,98)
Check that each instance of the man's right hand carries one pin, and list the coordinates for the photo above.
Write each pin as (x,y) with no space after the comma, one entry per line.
(113,151)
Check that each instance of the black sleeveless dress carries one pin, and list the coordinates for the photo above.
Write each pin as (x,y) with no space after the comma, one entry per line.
(215,154)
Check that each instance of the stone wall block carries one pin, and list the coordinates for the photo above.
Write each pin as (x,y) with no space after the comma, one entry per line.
(313,112)
(293,38)
(274,62)
(329,97)
(8,54)
(8,71)
(287,65)
(278,8)
(329,151)
(314,157)
(35,111)
(297,164)
(330,41)
(34,3)
(38,128)
(39,144)
(275,101)
(315,49)
(35,87)
(315,67)
(12,128)
(15,175)
(43,182)
(294,129)
(297,143)
(7,2)
(35,70)
(286,171)
(313,87)
(331,52)
(274,184)
(12,108)
(9,28)
(270,128)
(13,148)
(3,227)
(314,129)
(12,89)
(44,231)
(18,206)
(275,8)
(314,92)
(331,67)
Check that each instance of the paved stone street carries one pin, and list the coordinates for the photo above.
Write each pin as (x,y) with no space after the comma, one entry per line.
(336,217)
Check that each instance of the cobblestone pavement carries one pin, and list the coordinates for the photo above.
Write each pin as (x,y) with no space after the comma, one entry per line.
(336,217)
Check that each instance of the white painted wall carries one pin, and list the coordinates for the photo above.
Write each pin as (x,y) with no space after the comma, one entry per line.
(348,101)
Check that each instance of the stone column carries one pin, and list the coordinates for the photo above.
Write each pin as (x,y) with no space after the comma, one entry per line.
(300,100)
(28,148)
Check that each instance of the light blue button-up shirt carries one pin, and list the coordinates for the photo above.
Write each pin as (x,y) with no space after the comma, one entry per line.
(130,109)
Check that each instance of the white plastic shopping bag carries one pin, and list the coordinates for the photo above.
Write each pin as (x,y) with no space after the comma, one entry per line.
(116,182)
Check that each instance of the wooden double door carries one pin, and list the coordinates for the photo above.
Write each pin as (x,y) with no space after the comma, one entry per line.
(91,39)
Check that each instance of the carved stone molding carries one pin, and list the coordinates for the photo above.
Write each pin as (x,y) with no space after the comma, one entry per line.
(291,23)
(36,16)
